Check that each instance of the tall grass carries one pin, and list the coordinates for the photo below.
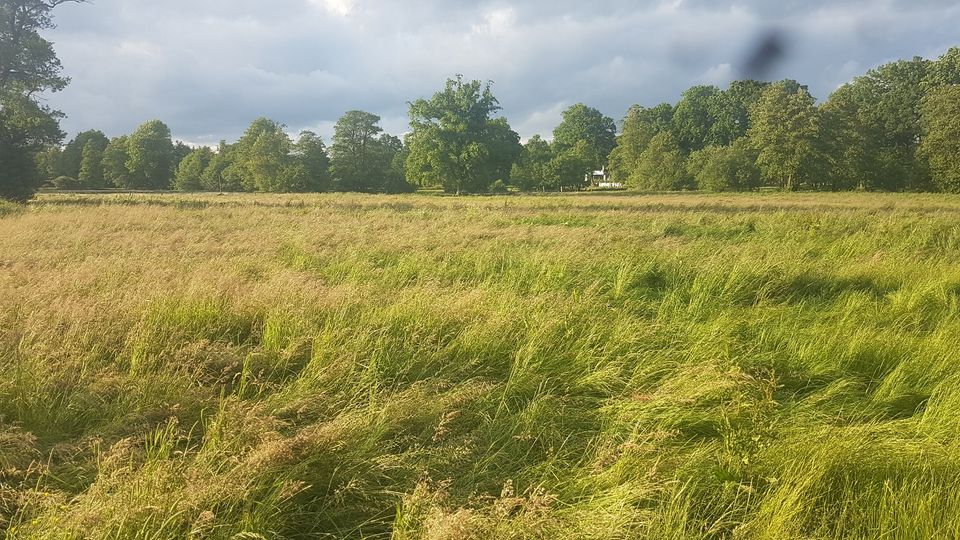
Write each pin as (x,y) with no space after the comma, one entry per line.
(596,367)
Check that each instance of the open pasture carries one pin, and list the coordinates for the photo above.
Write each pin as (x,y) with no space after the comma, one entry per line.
(768,366)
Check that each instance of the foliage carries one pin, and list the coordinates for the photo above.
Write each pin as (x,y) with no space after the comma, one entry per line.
(91,165)
(639,127)
(499,187)
(70,159)
(569,166)
(583,123)
(310,154)
(26,128)
(67,182)
(661,166)
(695,116)
(189,176)
(28,66)
(531,171)
(150,157)
(363,158)
(941,136)
(115,158)
(216,177)
(785,133)
(725,168)
(888,102)
(455,142)
(730,111)
(945,71)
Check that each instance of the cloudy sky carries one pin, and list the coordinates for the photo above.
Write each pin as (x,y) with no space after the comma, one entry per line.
(208,67)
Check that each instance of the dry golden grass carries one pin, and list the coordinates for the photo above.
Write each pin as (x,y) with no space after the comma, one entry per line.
(582,366)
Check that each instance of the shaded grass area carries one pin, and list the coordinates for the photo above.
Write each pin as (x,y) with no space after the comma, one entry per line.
(246,367)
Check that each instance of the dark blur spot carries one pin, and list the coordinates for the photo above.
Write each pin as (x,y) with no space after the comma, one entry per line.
(769,50)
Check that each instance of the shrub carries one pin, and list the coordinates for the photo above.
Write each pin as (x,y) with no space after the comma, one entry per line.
(66,182)
(499,187)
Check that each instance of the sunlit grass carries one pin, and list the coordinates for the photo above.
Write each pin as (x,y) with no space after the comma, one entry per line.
(339,366)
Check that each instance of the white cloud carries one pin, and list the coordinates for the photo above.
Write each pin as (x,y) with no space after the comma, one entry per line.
(341,8)
(496,22)
(541,121)
(718,75)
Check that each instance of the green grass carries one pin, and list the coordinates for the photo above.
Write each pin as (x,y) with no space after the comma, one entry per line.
(778,366)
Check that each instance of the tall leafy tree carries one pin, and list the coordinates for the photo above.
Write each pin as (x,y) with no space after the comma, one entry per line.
(583,123)
(310,154)
(570,165)
(28,66)
(357,160)
(150,156)
(661,166)
(49,163)
(72,155)
(941,141)
(262,159)
(215,177)
(888,100)
(91,166)
(850,143)
(785,133)
(455,142)
(730,111)
(695,116)
(725,168)
(638,128)
(115,158)
(180,151)
(390,158)
(530,171)
(189,175)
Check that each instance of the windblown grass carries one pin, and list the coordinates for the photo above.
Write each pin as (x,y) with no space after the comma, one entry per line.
(595,367)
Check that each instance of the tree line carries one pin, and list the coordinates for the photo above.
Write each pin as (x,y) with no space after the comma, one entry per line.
(264,159)
(897,128)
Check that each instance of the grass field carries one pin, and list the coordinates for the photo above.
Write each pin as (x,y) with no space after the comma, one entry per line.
(679,366)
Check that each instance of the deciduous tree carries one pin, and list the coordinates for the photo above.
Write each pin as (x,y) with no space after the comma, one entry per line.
(456,143)
(725,168)
(661,166)
(639,127)
(91,165)
(189,176)
(531,169)
(785,133)
(583,123)
(115,158)
(941,141)
(150,159)
(28,66)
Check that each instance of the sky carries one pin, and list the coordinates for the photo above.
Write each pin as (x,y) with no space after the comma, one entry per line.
(209,67)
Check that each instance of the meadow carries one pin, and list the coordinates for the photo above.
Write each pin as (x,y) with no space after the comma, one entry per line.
(757,366)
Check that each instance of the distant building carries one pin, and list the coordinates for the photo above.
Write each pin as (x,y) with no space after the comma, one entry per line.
(602,179)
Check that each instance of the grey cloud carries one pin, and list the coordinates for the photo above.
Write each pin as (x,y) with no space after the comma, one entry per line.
(208,67)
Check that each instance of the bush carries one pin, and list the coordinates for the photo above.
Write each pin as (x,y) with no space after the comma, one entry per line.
(67,182)
(724,168)
(499,187)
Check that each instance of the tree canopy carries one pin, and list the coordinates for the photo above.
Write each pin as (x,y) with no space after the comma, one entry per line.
(785,134)
(589,126)
(28,66)
(940,119)
(891,129)
(456,143)
(363,157)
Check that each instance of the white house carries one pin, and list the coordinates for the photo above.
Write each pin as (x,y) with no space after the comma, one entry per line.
(602,179)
